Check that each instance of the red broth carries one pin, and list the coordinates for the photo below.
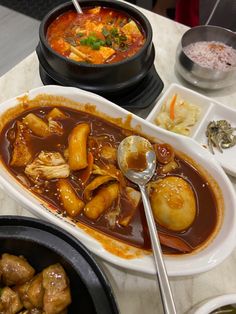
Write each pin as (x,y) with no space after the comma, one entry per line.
(98,36)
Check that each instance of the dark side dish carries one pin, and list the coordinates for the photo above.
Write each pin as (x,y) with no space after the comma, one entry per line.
(221,135)
(227,309)
(68,158)
(24,291)
(99,36)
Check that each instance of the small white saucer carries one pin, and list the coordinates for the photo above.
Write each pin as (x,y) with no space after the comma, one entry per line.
(210,305)
(210,110)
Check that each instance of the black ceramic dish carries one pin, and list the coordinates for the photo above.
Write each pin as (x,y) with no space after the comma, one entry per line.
(141,95)
(42,244)
(99,77)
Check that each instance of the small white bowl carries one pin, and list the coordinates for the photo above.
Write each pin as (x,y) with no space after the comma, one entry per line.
(212,304)
(196,74)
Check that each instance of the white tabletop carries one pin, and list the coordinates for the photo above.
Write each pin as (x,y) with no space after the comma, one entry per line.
(136,293)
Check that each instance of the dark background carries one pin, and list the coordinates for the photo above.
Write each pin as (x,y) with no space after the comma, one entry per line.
(38,8)
(225,14)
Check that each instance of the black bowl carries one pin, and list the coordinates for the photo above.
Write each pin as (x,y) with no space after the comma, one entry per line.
(98,77)
(43,244)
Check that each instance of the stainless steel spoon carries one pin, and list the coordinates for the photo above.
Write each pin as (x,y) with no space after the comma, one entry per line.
(77,6)
(137,161)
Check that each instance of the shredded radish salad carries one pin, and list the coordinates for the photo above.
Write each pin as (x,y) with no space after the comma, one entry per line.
(178,115)
(212,54)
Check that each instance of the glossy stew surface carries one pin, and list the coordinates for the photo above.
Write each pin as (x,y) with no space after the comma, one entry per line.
(98,36)
(70,162)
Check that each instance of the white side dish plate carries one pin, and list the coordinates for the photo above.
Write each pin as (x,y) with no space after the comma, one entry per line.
(212,255)
(211,305)
(210,110)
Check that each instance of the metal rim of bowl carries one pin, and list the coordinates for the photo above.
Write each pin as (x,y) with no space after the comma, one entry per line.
(214,303)
(213,71)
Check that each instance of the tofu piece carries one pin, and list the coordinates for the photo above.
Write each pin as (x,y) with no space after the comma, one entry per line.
(83,55)
(131,28)
(95,10)
(96,57)
(106,52)
(94,27)
(75,57)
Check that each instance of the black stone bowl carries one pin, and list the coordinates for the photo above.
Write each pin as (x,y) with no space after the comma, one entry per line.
(43,244)
(97,77)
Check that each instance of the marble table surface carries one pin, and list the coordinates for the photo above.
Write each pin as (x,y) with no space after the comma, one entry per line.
(134,292)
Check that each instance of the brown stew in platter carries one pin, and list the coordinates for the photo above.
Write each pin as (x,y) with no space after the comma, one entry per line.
(68,158)
(98,36)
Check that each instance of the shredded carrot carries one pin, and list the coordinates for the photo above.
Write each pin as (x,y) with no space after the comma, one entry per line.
(85,173)
(172,107)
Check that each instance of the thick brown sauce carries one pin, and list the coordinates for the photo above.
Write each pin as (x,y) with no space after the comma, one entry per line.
(137,161)
(136,233)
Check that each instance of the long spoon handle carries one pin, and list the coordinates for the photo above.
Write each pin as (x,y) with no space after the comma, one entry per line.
(77,6)
(166,294)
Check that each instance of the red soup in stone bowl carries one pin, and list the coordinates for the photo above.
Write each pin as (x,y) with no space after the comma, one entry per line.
(107,47)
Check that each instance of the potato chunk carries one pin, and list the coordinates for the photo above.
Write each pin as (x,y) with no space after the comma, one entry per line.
(71,202)
(173,203)
(102,201)
(22,153)
(77,147)
(37,125)
(15,270)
